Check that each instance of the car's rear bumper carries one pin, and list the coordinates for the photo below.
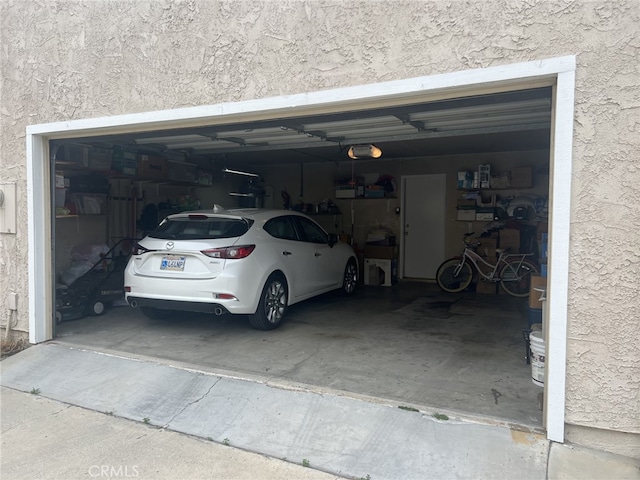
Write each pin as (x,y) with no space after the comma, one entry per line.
(198,295)
(177,305)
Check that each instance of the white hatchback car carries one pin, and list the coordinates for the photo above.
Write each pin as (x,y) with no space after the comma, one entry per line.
(244,261)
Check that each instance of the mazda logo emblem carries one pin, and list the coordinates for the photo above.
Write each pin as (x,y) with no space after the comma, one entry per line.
(169,245)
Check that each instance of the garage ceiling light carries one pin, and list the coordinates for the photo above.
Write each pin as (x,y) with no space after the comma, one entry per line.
(364,151)
(238,172)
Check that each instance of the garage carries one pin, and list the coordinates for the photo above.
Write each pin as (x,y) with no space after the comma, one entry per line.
(103,179)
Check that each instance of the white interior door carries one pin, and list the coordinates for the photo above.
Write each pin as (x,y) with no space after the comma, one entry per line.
(424,202)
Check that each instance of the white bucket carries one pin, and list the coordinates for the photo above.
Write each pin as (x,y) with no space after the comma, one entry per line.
(537,354)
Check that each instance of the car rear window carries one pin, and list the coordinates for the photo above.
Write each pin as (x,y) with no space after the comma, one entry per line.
(201,228)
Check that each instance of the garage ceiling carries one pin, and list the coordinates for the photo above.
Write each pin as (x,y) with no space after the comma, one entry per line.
(510,121)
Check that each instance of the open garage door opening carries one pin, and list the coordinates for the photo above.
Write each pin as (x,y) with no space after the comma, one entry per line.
(485,159)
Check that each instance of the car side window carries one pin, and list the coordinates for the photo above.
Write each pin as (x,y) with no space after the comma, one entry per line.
(310,232)
(281,227)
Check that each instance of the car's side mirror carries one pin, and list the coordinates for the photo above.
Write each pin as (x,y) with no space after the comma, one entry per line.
(333,239)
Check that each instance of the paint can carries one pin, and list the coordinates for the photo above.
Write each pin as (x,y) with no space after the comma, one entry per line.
(537,355)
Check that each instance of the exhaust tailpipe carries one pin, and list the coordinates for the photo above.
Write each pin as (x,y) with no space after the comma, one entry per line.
(218,311)
(133,303)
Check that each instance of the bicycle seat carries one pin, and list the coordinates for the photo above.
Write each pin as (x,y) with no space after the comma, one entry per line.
(502,250)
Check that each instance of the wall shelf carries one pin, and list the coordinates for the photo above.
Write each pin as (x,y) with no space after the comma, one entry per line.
(369,198)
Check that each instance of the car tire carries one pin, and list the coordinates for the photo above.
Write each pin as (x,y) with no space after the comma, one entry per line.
(350,278)
(272,305)
(156,313)
(97,308)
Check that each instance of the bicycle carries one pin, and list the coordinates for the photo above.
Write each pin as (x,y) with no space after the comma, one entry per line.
(455,274)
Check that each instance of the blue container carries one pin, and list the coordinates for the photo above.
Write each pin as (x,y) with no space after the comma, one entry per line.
(534,315)
(543,270)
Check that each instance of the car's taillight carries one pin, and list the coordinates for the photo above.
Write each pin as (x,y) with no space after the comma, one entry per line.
(241,251)
(139,249)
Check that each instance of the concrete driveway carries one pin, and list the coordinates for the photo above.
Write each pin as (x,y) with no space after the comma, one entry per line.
(342,435)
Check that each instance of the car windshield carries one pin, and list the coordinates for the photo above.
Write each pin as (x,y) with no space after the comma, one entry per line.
(200,227)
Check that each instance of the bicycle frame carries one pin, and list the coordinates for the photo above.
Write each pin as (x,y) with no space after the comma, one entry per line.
(508,259)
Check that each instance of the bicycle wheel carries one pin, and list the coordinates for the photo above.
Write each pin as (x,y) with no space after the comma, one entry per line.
(515,278)
(447,278)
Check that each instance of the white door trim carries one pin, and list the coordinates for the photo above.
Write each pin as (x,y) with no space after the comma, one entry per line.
(558,255)
(559,71)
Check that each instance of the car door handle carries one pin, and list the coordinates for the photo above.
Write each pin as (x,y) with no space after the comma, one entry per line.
(286,253)
(317,254)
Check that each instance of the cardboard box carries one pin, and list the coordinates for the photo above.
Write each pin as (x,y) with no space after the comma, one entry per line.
(152,167)
(466,210)
(542,227)
(380,272)
(485,214)
(76,153)
(124,161)
(346,192)
(485,287)
(522,177)
(374,192)
(501,181)
(487,247)
(183,172)
(534,296)
(384,252)
(510,238)
(349,187)
(466,204)
(124,153)
(100,158)
(467,214)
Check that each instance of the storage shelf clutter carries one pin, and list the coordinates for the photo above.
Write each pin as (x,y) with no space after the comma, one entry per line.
(365,186)
(519,177)
(129,162)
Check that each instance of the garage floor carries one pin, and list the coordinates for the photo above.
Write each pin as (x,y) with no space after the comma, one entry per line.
(411,344)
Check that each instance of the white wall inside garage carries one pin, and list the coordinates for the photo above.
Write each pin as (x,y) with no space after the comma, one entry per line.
(316,181)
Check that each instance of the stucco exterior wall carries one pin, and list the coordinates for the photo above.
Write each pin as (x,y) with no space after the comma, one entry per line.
(63,60)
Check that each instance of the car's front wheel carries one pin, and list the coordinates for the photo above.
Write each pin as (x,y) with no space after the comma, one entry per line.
(272,305)
(350,280)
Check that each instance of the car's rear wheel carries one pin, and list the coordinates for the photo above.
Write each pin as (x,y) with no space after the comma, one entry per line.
(350,280)
(97,308)
(156,313)
(272,305)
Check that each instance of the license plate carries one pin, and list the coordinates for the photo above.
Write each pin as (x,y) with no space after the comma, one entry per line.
(172,263)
